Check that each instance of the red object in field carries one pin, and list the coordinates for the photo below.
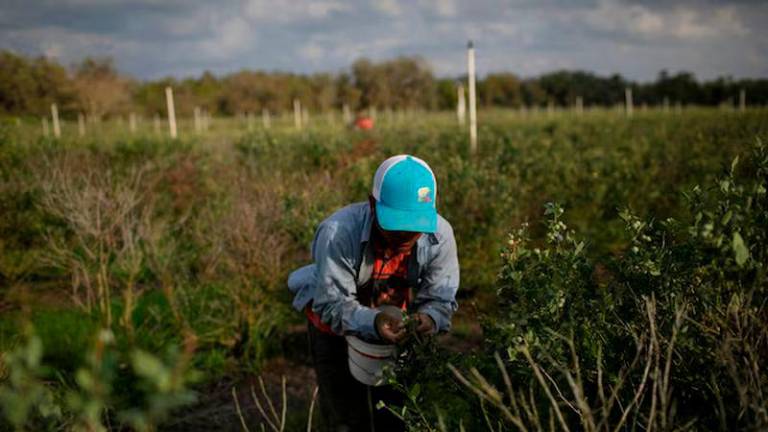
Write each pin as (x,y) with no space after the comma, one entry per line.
(364,123)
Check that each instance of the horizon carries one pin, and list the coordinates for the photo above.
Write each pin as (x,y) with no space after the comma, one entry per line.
(150,40)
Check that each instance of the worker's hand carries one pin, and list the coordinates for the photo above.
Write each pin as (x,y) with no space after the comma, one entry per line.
(390,328)
(426,325)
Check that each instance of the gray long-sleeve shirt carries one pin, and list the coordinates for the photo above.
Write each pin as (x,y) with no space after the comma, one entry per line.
(343,261)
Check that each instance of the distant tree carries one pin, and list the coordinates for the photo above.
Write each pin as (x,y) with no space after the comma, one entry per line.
(346,92)
(501,89)
(29,86)
(446,94)
(100,89)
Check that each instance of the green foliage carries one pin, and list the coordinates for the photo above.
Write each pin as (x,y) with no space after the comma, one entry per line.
(23,393)
(215,224)
(686,298)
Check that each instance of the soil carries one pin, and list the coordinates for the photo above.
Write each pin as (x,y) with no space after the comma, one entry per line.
(216,411)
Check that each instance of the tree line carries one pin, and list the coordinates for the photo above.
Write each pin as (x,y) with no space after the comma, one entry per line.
(28,85)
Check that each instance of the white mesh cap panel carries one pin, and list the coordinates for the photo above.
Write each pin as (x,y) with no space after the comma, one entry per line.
(378,178)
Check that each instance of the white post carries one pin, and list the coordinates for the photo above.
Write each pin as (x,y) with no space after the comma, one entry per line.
(132,122)
(347,114)
(198,126)
(171,112)
(297,113)
(461,105)
(472,101)
(45,127)
(628,101)
(742,100)
(266,120)
(56,126)
(81,124)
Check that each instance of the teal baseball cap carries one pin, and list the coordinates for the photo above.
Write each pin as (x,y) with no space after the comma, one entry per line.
(405,189)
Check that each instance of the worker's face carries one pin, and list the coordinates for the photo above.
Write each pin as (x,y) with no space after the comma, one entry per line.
(400,241)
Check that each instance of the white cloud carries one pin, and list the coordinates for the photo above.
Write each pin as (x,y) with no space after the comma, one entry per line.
(233,35)
(445,8)
(292,11)
(683,22)
(388,7)
(312,51)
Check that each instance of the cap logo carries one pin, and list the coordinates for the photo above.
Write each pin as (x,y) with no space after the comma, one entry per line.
(424,195)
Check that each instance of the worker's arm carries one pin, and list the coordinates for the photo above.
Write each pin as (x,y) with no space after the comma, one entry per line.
(334,299)
(436,296)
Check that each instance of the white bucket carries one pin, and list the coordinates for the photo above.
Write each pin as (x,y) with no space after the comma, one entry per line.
(367,360)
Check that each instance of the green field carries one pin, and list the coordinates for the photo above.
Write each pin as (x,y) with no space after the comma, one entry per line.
(616,265)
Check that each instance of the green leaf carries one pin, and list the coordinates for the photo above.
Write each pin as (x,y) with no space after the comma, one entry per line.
(727,217)
(147,365)
(740,249)
(415,390)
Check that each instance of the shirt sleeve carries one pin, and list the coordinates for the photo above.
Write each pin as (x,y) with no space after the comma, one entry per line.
(334,300)
(436,296)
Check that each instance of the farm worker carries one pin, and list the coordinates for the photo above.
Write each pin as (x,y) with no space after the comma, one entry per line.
(393,249)
(364,122)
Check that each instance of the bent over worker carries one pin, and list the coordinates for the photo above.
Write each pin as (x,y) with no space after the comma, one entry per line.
(393,250)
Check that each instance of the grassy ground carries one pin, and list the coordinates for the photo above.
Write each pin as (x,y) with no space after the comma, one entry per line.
(162,240)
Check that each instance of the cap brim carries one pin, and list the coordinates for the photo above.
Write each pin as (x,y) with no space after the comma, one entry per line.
(390,219)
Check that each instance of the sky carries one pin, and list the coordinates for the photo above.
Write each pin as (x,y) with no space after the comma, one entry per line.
(150,39)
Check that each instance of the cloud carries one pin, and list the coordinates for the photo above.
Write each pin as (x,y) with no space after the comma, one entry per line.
(388,7)
(294,10)
(685,23)
(152,38)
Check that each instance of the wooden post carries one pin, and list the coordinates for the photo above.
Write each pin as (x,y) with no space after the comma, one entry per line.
(266,120)
(461,105)
(132,122)
(297,113)
(81,124)
(56,125)
(46,132)
(472,101)
(628,101)
(347,114)
(171,112)
(742,100)
(198,124)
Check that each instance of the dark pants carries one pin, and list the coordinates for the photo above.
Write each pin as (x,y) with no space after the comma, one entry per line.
(345,403)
